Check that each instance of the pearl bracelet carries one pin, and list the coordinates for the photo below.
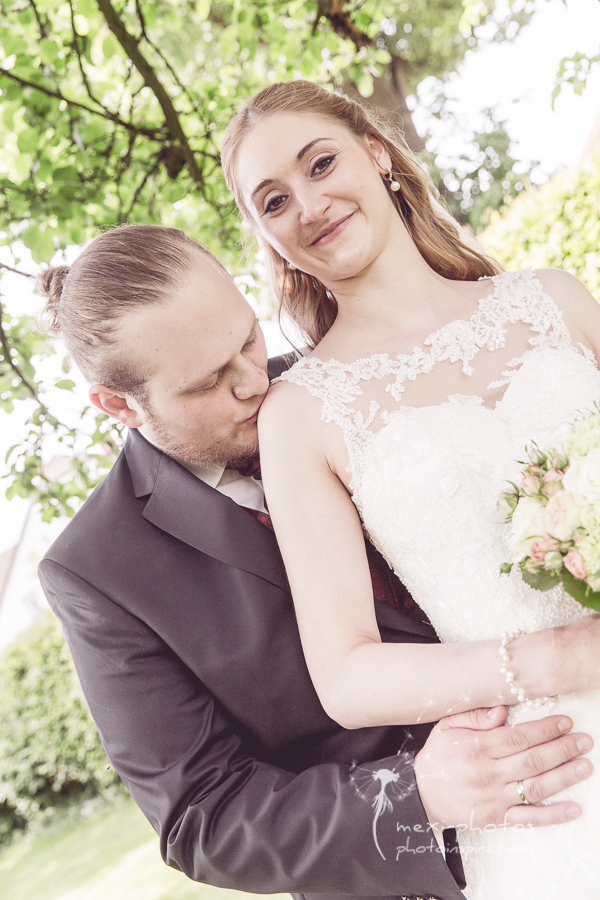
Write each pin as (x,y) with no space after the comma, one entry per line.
(519,693)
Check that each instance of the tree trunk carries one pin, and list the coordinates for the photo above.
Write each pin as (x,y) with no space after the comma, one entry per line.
(389,101)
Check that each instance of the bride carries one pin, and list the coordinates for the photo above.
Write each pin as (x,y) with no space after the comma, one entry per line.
(430,371)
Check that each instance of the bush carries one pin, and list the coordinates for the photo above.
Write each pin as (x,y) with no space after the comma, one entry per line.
(50,752)
(555,225)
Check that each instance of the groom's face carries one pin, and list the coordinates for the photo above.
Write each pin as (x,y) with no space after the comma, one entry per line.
(205,359)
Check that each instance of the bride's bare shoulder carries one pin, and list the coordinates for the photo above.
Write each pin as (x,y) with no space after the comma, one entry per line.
(289,404)
(563,287)
(580,309)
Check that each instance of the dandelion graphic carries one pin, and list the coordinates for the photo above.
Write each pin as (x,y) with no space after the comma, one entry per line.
(376,785)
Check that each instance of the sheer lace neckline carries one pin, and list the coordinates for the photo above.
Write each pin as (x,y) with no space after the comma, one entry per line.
(511,322)
(448,337)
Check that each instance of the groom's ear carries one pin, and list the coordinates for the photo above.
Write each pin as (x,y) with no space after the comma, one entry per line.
(118,405)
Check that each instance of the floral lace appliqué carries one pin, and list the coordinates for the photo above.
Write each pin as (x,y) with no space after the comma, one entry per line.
(515,297)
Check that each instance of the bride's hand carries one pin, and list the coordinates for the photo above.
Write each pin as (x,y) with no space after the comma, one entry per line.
(558,660)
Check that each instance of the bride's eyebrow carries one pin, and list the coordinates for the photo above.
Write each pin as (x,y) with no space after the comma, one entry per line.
(301,153)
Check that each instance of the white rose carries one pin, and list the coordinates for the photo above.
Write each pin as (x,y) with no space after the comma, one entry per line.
(582,478)
(527,524)
(561,516)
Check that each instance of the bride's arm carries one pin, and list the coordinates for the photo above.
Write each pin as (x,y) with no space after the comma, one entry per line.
(360,680)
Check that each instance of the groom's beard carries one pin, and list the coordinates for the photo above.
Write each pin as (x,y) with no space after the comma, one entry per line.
(209,456)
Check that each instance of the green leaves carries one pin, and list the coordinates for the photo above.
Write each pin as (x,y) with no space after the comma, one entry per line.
(581,591)
(541,581)
(118,117)
(556,225)
(574,70)
(40,241)
(50,752)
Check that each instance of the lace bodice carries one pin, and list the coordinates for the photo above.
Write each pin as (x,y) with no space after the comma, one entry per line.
(433,436)
(360,409)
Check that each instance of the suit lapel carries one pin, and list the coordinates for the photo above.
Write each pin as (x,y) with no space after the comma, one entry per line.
(191,511)
(200,516)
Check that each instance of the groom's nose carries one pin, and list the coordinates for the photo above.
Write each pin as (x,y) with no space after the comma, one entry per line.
(253,381)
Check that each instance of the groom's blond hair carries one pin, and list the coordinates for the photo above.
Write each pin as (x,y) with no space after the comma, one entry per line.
(122,270)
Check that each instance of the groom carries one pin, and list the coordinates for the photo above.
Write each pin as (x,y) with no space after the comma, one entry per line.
(175,604)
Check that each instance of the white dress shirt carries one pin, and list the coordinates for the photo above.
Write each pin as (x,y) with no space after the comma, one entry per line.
(243,489)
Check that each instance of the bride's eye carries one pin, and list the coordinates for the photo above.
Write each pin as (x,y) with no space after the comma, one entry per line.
(321,165)
(274,204)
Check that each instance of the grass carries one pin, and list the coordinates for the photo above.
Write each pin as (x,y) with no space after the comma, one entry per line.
(111,855)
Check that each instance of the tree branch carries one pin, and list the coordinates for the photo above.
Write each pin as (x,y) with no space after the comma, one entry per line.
(43,26)
(77,48)
(140,14)
(131,46)
(152,133)
(142,185)
(9,360)
(389,94)
(15,271)
(334,12)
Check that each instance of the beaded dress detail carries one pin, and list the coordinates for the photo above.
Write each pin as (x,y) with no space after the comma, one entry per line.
(432,438)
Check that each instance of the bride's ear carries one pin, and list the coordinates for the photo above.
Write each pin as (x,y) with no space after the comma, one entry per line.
(379,152)
(118,405)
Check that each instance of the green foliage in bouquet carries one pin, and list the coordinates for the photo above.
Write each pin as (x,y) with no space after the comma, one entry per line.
(580,591)
(50,752)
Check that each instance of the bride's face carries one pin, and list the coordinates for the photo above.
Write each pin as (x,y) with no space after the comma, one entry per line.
(315,193)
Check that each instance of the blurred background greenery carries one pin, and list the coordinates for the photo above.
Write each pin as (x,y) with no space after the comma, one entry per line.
(114,112)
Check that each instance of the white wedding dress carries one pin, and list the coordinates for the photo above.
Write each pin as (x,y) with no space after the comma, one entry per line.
(432,438)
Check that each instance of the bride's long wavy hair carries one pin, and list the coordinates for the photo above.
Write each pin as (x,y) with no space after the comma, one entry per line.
(444,245)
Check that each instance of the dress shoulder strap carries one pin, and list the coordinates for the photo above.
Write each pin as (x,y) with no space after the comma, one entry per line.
(337,385)
(520,297)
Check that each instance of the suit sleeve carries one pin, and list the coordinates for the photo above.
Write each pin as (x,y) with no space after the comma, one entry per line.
(223,816)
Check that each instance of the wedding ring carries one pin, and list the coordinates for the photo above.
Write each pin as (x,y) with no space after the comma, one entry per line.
(521,793)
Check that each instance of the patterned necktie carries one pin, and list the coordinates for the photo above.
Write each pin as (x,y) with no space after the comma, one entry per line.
(248,467)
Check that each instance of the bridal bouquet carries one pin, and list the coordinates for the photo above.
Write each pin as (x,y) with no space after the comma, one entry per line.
(555,515)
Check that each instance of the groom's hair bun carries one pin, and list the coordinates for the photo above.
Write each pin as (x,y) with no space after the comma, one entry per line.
(50,285)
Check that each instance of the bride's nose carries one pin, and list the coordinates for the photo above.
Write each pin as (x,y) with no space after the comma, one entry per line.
(313,203)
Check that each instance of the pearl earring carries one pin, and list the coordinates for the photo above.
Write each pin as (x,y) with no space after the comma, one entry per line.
(394,185)
(292,267)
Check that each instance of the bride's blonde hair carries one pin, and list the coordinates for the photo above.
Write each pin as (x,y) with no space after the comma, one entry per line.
(438,237)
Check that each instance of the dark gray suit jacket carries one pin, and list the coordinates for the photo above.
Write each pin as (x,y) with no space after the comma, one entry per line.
(175,605)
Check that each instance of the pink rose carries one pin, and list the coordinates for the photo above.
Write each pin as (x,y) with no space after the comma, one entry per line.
(530,484)
(539,548)
(561,516)
(551,487)
(575,563)
(552,475)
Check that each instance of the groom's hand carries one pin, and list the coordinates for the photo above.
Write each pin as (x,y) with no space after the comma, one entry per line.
(467,771)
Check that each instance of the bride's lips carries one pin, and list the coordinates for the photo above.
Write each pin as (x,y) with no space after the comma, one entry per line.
(331,231)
